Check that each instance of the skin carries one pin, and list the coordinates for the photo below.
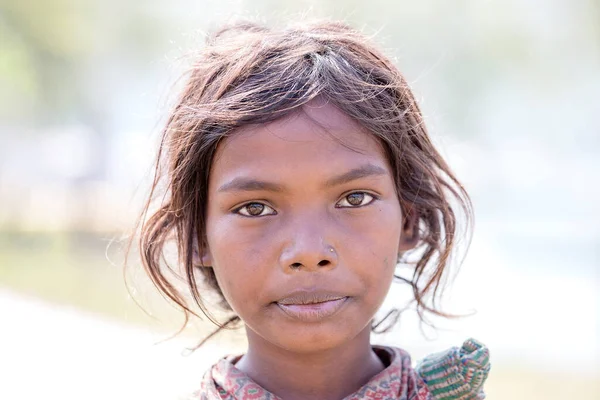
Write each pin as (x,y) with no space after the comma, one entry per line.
(260,259)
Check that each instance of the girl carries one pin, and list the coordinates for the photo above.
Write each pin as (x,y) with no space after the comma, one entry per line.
(299,175)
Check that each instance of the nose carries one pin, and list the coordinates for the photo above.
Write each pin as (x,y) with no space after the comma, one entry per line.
(306,247)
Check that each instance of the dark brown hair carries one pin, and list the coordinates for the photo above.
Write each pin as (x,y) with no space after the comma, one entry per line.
(249,74)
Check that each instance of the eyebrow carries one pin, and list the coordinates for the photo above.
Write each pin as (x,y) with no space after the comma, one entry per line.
(243,184)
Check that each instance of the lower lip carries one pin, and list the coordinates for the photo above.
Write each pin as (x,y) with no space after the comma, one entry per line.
(313,312)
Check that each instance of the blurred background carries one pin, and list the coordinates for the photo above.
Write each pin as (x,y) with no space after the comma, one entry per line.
(510,91)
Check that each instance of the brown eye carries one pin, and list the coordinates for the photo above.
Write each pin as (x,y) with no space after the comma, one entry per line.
(255,210)
(355,200)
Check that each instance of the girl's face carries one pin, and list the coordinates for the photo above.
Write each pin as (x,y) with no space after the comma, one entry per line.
(304,228)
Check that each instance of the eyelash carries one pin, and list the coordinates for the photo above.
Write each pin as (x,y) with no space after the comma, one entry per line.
(371,195)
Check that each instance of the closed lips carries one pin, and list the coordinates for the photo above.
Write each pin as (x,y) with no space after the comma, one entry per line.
(304,298)
(312,306)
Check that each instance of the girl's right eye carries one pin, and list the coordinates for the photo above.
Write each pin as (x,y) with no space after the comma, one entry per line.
(255,210)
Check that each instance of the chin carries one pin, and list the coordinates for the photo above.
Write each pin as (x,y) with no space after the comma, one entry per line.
(309,335)
(315,343)
(316,338)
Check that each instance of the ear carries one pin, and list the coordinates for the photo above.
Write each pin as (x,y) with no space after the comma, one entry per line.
(409,237)
(202,258)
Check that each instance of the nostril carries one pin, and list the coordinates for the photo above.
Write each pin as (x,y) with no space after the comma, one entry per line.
(323,263)
(296,265)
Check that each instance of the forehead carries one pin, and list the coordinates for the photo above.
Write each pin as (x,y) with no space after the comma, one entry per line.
(319,138)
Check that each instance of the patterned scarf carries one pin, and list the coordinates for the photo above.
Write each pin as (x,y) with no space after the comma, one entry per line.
(458,373)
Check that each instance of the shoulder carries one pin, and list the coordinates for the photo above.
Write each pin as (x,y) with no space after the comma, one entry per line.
(223,381)
(210,387)
(457,373)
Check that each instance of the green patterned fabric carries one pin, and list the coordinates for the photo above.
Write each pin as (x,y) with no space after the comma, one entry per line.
(458,373)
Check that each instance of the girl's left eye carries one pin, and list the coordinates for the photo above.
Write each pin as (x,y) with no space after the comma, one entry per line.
(355,200)
(255,210)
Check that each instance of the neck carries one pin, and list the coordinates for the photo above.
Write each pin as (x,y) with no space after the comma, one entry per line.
(328,375)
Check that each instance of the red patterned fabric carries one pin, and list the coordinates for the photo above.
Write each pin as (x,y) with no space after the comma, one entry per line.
(398,381)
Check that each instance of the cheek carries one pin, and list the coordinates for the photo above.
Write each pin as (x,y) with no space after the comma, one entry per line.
(374,242)
(239,259)
(379,230)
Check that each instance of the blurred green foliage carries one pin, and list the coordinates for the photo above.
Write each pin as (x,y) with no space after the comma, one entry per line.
(51,49)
